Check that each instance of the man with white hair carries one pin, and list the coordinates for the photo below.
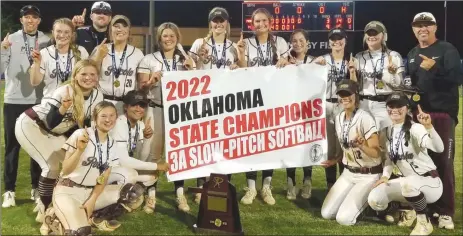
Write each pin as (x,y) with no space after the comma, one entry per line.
(434,67)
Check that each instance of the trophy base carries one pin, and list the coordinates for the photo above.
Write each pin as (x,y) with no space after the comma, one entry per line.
(205,231)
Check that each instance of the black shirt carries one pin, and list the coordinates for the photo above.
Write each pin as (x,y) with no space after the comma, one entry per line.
(89,38)
(440,83)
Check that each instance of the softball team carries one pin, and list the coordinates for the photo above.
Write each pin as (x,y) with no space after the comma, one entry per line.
(170,57)
(104,155)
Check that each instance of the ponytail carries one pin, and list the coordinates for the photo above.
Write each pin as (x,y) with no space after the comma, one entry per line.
(75,51)
(78,104)
(406,128)
(272,41)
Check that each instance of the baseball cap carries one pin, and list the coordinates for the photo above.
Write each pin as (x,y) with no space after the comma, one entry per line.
(337,31)
(376,26)
(102,7)
(398,98)
(218,12)
(424,17)
(347,85)
(29,9)
(121,19)
(136,97)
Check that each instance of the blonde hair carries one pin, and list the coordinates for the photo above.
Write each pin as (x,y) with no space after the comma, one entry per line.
(173,27)
(72,44)
(100,106)
(272,41)
(113,21)
(383,41)
(78,101)
(227,30)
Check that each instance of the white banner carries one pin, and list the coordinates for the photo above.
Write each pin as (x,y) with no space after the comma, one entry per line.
(222,121)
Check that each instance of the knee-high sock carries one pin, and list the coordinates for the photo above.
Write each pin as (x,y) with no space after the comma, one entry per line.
(46,186)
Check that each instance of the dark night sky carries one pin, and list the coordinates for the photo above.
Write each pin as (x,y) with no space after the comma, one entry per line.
(396,16)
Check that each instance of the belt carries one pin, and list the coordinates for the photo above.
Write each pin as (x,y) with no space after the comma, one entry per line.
(110,97)
(70,183)
(332,100)
(365,170)
(33,115)
(432,173)
(154,105)
(376,98)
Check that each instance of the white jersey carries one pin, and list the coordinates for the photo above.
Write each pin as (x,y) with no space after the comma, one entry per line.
(220,54)
(118,87)
(50,58)
(362,123)
(68,121)
(337,71)
(87,169)
(262,54)
(153,63)
(130,140)
(413,158)
(372,64)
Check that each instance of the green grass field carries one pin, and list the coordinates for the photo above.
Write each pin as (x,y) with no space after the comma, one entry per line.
(300,217)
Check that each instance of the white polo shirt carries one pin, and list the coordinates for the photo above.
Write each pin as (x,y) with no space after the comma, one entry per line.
(49,70)
(255,58)
(364,124)
(378,62)
(87,170)
(128,74)
(215,58)
(68,121)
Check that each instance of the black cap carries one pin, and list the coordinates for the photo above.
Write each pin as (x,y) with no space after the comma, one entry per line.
(398,98)
(136,97)
(376,26)
(218,12)
(337,31)
(347,85)
(29,9)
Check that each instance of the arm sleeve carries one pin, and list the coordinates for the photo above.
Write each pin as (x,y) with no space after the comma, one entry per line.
(6,55)
(282,47)
(54,118)
(450,71)
(429,139)
(71,144)
(144,66)
(130,162)
(368,126)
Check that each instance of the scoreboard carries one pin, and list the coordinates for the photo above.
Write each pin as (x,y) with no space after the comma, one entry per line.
(308,15)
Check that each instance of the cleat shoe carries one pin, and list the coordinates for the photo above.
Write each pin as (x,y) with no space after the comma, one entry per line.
(150,204)
(291,193)
(182,203)
(306,192)
(406,218)
(8,199)
(35,194)
(446,222)
(249,196)
(423,226)
(266,195)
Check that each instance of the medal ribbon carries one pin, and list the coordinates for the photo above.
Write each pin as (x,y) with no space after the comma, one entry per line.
(222,60)
(63,75)
(261,54)
(117,71)
(133,145)
(101,166)
(174,62)
(26,44)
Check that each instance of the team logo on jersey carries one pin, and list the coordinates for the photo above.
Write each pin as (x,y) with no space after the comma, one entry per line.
(23,49)
(261,62)
(111,69)
(316,152)
(213,59)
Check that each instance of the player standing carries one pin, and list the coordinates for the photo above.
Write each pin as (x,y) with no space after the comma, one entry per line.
(263,49)
(380,70)
(170,57)
(90,155)
(119,61)
(16,59)
(406,144)
(53,65)
(216,51)
(358,136)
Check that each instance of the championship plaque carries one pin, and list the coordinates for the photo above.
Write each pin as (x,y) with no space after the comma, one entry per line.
(218,209)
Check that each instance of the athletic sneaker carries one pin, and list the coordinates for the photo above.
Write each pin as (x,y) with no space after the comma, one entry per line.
(182,203)
(8,199)
(446,222)
(40,209)
(407,217)
(291,193)
(44,229)
(306,191)
(35,194)
(150,201)
(423,226)
(266,195)
(249,196)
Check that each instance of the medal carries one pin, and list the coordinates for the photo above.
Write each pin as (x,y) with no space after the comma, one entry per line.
(416,97)
(349,157)
(100,179)
(117,83)
(380,84)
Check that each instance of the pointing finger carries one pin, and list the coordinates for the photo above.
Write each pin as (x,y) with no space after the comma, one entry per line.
(148,122)
(351,58)
(103,42)
(390,59)
(67,91)
(424,57)
(84,13)
(6,37)
(419,109)
(241,37)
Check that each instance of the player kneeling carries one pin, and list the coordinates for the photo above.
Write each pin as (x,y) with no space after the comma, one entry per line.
(358,136)
(81,189)
(406,145)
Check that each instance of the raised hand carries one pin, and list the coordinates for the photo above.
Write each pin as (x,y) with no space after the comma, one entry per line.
(66,101)
(392,68)
(82,140)
(424,118)
(320,61)
(101,50)
(358,141)
(79,20)
(203,51)
(351,63)
(148,131)
(427,62)
(36,57)
(155,77)
(241,45)
(6,42)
